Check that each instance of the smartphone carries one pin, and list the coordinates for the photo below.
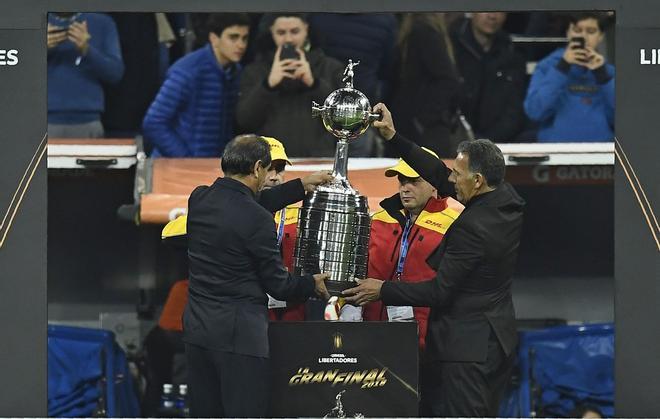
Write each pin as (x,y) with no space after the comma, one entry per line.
(63,20)
(289,52)
(578,42)
(58,29)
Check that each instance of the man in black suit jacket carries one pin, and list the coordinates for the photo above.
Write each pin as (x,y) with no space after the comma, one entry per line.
(234,261)
(472,332)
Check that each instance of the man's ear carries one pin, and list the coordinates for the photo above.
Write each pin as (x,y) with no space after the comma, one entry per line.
(255,168)
(479,180)
(212,37)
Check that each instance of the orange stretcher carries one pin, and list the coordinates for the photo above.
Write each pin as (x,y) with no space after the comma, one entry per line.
(174,179)
(162,186)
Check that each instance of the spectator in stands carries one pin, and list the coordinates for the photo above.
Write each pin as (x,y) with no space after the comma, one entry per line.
(492,74)
(277,92)
(571,94)
(83,54)
(193,113)
(425,90)
(365,37)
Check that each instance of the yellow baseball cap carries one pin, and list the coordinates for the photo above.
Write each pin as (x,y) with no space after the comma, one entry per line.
(403,168)
(276,150)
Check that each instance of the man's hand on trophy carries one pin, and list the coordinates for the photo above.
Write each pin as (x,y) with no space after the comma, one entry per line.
(281,69)
(386,125)
(368,290)
(320,288)
(310,182)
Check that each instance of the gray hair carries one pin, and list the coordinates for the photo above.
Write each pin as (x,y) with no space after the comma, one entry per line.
(485,158)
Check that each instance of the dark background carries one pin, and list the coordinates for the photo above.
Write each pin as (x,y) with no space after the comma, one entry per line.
(23,257)
(299,345)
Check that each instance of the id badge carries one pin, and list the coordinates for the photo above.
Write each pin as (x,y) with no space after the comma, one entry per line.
(273,303)
(400,313)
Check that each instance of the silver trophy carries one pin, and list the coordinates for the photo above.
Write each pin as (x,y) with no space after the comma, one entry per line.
(334,222)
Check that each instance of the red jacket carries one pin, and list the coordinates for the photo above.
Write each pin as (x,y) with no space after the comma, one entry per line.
(424,237)
(293,311)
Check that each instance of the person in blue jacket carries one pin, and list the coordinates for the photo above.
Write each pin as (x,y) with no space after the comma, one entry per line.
(83,55)
(571,94)
(193,113)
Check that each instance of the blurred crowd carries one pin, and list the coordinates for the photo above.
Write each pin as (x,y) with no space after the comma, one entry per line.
(188,83)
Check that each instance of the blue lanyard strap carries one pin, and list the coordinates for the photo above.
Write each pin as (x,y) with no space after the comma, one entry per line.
(403,251)
(280,228)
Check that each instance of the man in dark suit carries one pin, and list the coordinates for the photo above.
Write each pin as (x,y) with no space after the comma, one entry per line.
(234,261)
(471,332)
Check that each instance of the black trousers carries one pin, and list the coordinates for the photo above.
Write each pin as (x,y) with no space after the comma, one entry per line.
(466,389)
(224,384)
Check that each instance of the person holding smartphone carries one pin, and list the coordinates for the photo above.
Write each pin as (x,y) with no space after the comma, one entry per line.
(571,94)
(277,89)
(83,55)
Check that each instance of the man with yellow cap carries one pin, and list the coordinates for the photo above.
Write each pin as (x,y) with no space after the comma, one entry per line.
(409,227)
(286,221)
(166,338)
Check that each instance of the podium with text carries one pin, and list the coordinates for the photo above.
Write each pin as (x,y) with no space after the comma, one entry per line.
(344,369)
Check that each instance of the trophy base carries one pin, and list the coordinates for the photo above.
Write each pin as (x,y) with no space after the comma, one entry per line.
(336,287)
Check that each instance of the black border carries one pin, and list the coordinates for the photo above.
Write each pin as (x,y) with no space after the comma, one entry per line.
(22,118)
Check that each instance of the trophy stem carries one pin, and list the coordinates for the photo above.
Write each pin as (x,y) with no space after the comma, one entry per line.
(340,169)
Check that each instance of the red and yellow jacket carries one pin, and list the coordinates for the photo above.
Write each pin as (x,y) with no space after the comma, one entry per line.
(293,311)
(385,244)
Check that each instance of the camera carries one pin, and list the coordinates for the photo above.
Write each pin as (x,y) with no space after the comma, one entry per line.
(578,42)
(289,52)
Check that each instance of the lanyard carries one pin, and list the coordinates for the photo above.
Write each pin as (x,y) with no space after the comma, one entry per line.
(280,228)
(403,251)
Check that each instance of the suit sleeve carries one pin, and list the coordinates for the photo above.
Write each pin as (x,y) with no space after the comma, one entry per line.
(274,199)
(275,279)
(463,253)
(431,169)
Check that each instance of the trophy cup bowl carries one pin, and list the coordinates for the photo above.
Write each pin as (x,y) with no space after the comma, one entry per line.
(334,221)
(346,113)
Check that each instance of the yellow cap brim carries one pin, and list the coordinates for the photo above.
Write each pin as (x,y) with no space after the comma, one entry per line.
(401,168)
(277,156)
(277,150)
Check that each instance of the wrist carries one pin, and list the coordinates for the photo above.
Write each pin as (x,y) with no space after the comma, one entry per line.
(601,75)
(563,65)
